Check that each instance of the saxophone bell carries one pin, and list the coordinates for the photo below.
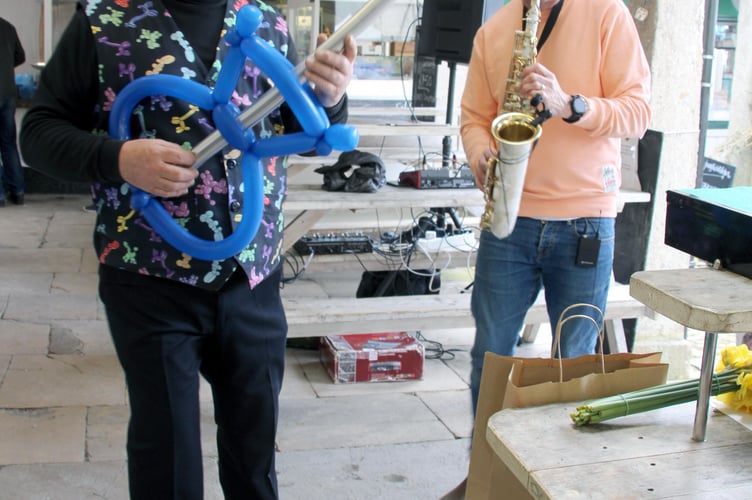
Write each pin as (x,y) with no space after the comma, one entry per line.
(515,134)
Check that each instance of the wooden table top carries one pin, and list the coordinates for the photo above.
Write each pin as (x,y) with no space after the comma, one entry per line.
(648,455)
(706,299)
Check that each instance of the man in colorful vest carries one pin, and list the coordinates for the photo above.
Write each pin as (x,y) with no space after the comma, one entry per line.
(171,316)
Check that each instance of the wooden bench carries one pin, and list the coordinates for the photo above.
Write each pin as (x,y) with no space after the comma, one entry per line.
(313,317)
(306,206)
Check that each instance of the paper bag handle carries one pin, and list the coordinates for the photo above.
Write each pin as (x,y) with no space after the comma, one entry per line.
(556,347)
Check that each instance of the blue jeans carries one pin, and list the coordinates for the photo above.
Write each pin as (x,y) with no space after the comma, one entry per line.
(510,272)
(12,175)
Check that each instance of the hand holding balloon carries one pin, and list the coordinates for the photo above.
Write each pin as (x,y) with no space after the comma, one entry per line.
(158,167)
(330,72)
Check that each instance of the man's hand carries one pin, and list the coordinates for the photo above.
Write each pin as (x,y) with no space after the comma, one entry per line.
(537,79)
(330,72)
(481,169)
(158,167)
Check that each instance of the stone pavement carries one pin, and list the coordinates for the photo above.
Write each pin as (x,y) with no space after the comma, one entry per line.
(63,404)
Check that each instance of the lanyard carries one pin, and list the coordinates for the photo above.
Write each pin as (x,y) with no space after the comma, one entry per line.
(549,23)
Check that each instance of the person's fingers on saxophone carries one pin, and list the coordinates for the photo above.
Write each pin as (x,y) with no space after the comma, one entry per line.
(481,168)
(537,79)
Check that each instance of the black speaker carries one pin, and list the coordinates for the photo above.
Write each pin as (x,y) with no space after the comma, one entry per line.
(447,27)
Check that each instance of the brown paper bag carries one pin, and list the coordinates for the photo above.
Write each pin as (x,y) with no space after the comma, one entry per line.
(515,382)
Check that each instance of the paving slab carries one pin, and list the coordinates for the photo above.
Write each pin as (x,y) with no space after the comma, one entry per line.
(39,308)
(107,428)
(23,232)
(18,337)
(295,384)
(41,260)
(374,419)
(89,260)
(415,471)
(60,235)
(89,337)
(106,431)
(453,409)
(82,481)
(37,381)
(4,364)
(42,435)
(21,282)
(75,283)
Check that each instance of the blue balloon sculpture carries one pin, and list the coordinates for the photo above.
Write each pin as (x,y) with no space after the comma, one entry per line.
(317,133)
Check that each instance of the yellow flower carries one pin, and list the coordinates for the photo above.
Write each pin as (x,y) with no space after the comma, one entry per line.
(740,400)
(738,357)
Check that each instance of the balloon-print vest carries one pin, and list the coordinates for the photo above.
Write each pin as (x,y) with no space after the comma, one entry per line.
(135,38)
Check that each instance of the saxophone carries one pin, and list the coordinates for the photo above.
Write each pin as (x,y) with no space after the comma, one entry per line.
(515,131)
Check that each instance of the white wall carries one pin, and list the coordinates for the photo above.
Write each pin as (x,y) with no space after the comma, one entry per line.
(26,17)
(740,124)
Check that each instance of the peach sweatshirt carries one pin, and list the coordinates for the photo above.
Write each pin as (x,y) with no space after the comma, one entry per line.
(594,50)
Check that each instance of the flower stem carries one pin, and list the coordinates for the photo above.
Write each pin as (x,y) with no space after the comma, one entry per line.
(651,398)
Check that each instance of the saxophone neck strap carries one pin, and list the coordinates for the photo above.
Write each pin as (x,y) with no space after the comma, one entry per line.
(552,17)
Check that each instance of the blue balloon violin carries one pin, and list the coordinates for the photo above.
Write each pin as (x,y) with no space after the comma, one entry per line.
(318,134)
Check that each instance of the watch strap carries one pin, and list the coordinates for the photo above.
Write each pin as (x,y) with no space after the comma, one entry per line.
(575,116)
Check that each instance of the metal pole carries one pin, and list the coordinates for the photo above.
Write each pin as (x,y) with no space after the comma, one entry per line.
(706,378)
(214,142)
(47,25)
(711,19)
(446,153)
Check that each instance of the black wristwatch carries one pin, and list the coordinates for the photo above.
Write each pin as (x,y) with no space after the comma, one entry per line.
(579,107)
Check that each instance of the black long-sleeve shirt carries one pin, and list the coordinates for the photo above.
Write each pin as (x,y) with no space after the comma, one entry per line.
(11,55)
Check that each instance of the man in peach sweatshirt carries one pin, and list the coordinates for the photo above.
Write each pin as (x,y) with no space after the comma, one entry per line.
(593,77)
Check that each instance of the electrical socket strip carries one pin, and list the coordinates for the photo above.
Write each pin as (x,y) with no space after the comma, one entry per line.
(464,242)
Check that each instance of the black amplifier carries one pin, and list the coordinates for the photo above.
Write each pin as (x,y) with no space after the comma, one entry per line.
(441,178)
(334,244)
(713,224)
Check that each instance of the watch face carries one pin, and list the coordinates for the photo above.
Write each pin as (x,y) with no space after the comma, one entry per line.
(579,106)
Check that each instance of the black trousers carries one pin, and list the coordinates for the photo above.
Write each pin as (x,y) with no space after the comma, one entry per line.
(166,334)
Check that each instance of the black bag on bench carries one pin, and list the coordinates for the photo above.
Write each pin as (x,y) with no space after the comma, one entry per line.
(403,282)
